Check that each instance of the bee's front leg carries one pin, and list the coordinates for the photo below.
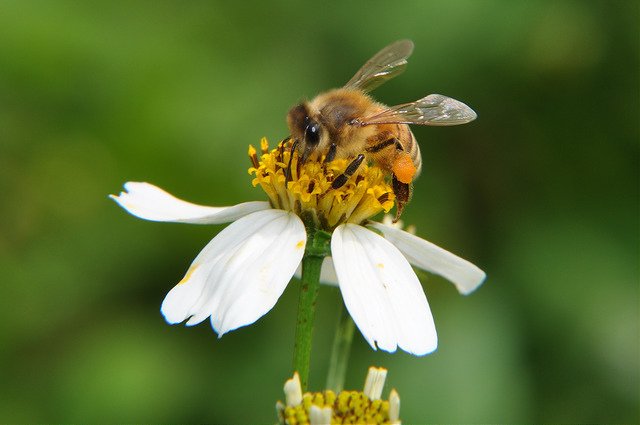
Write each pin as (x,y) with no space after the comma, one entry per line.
(348,172)
(331,154)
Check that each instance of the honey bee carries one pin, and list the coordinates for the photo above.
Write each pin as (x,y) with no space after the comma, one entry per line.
(348,123)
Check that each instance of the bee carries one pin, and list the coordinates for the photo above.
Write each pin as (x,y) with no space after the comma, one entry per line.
(347,123)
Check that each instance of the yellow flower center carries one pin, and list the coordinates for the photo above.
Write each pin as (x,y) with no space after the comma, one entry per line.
(307,190)
(348,407)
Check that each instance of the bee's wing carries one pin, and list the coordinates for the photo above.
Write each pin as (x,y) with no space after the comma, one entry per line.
(386,64)
(434,109)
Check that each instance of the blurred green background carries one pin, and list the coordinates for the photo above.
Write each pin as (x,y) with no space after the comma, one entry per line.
(541,192)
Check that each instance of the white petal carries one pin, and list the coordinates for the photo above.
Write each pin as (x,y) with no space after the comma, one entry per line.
(394,407)
(293,391)
(425,255)
(381,291)
(374,382)
(241,273)
(149,202)
(327,272)
(320,415)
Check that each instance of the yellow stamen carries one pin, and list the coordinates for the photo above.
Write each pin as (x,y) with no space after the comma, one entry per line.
(264,145)
(308,188)
(350,406)
(253,157)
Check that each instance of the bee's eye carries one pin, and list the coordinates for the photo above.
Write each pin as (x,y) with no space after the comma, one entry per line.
(312,133)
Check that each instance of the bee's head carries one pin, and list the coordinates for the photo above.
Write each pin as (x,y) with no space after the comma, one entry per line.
(305,129)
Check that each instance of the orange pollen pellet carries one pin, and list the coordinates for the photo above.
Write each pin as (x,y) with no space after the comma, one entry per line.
(404,169)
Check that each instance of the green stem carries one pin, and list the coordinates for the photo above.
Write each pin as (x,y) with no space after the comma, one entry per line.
(306,312)
(315,251)
(340,351)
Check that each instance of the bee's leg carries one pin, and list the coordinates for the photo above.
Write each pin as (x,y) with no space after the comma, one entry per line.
(348,172)
(331,154)
(287,172)
(403,195)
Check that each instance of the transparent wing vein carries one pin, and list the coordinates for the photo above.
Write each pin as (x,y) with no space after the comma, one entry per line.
(386,64)
(434,109)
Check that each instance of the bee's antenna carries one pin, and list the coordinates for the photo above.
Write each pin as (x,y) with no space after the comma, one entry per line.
(305,153)
(288,171)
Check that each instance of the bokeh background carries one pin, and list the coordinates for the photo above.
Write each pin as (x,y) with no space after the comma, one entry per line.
(541,192)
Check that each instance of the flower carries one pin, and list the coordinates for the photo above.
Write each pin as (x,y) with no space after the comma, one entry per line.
(326,407)
(241,273)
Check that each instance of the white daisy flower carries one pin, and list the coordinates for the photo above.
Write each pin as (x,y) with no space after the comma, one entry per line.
(241,273)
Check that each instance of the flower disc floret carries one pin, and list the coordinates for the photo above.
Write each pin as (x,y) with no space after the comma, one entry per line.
(346,407)
(306,188)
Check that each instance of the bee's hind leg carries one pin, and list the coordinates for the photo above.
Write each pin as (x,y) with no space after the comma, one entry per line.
(340,181)
(403,195)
